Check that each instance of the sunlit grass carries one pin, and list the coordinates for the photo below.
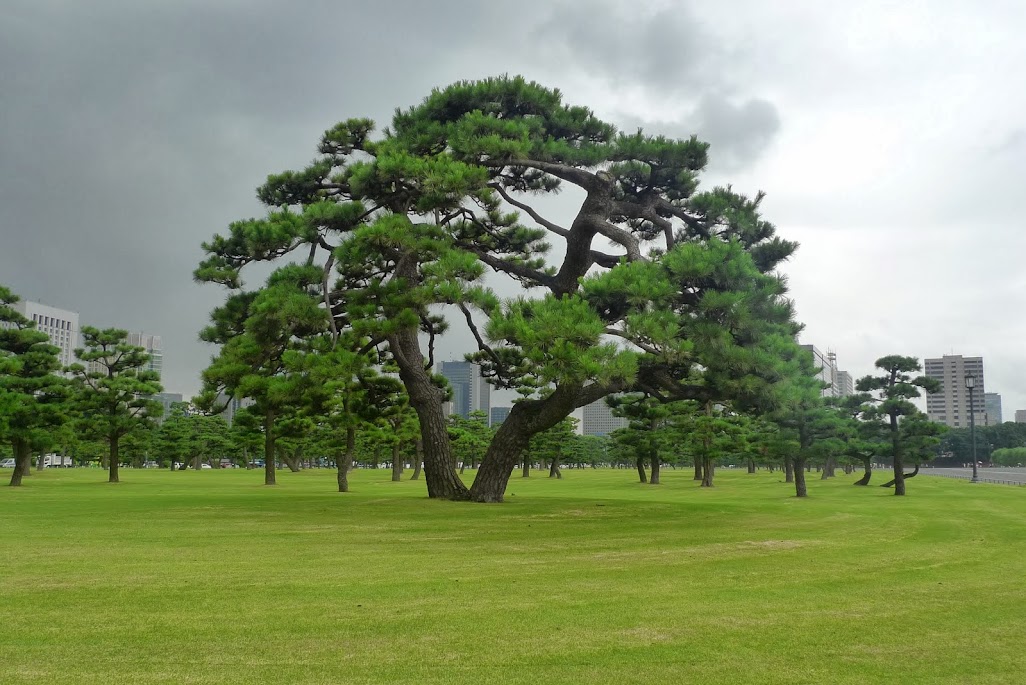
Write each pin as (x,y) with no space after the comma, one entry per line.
(210,577)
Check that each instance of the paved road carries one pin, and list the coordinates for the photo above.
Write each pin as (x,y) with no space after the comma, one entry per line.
(999,474)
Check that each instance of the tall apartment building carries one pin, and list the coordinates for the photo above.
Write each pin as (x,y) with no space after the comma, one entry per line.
(60,324)
(845,384)
(950,406)
(839,383)
(1020,415)
(597,419)
(231,405)
(153,347)
(470,392)
(498,415)
(166,399)
(992,402)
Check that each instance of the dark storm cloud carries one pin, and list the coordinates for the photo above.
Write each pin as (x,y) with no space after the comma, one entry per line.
(133,131)
(678,63)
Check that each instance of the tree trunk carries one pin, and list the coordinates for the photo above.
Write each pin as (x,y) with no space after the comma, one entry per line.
(751,465)
(527,468)
(344,461)
(419,456)
(830,469)
(22,460)
(899,466)
(554,471)
(654,480)
(800,490)
(269,474)
(707,472)
(426,399)
(699,474)
(397,464)
(526,418)
(115,461)
(641,470)
(40,462)
(788,470)
(867,465)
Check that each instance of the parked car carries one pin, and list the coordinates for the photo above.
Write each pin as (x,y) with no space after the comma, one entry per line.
(7,464)
(206,466)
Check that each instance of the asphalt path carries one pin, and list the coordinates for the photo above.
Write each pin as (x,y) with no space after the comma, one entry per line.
(994,474)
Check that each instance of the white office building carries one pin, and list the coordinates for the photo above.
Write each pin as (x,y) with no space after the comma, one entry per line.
(597,419)
(950,405)
(60,324)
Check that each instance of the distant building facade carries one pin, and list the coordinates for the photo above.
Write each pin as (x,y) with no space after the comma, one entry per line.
(153,347)
(950,405)
(497,415)
(845,385)
(60,325)
(166,399)
(1020,415)
(470,392)
(838,383)
(597,419)
(992,405)
(231,405)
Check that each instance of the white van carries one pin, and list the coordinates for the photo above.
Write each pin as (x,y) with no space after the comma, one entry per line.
(7,464)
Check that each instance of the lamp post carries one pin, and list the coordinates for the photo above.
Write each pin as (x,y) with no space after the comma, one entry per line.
(970,383)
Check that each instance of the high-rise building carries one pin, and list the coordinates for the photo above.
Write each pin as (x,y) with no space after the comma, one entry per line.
(166,399)
(845,385)
(838,383)
(498,415)
(597,419)
(992,402)
(950,405)
(1020,415)
(470,392)
(153,347)
(60,324)
(231,405)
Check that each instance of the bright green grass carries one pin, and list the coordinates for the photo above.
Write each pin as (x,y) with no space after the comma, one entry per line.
(210,577)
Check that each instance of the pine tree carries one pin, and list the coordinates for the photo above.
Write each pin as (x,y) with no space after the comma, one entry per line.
(32,396)
(896,388)
(112,389)
(410,222)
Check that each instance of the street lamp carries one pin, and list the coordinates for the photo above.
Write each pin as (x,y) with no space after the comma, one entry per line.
(970,383)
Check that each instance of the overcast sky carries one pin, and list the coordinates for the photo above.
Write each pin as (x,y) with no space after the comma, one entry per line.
(889,136)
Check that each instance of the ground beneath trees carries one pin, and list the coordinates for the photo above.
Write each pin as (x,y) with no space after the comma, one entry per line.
(209,577)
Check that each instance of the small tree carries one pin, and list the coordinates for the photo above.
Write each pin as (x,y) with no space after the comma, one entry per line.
(112,390)
(31,395)
(895,389)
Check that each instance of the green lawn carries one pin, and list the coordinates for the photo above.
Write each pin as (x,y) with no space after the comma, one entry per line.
(210,577)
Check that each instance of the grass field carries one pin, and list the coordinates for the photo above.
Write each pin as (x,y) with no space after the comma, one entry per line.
(210,577)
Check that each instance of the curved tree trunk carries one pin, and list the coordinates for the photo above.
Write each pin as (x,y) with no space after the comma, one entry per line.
(526,419)
(654,480)
(397,464)
(788,470)
(554,471)
(641,470)
(269,474)
(899,466)
(426,399)
(905,476)
(867,465)
(22,460)
(800,489)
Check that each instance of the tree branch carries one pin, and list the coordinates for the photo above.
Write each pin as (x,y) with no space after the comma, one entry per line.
(542,221)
